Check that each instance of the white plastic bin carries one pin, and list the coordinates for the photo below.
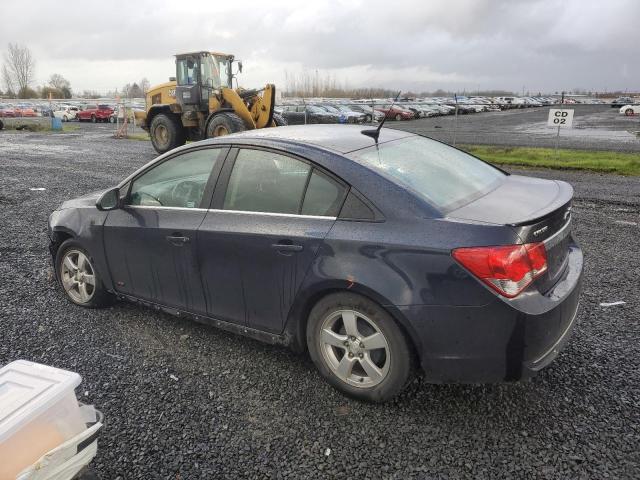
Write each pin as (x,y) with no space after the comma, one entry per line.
(38,412)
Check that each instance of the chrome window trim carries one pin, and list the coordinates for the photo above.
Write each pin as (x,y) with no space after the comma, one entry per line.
(273,214)
(159,207)
(241,212)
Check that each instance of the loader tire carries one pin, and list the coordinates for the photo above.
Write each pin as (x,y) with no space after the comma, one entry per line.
(224,124)
(166,133)
(279,120)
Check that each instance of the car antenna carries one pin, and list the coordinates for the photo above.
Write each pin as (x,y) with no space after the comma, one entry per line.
(375,132)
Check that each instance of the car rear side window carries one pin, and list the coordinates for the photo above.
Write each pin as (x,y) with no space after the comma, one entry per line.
(324,196)
(263,181)
(177,182)
(445,177)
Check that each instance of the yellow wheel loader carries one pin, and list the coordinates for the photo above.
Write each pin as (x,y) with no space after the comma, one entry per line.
(200,102)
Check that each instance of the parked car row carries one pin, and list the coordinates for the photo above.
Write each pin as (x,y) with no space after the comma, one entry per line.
(20,110)
(298,111)
(73,110)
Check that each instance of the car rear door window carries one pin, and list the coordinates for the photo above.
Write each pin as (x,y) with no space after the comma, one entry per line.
(178,182)
(263,181)
(324,196)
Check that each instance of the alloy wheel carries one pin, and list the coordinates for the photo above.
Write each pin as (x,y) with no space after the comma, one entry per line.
(354,348)
(78,276)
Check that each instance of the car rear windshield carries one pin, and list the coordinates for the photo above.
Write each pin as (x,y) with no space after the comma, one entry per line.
(445,177)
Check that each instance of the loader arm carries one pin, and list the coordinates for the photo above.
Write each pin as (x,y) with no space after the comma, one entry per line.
(231,97)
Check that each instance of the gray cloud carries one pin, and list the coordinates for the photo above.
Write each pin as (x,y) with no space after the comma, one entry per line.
(543,45)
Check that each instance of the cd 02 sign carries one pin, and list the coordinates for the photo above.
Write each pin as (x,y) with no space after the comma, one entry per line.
(560,117)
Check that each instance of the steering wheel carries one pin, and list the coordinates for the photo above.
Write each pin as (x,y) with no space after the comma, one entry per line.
(155,199)
(185,192)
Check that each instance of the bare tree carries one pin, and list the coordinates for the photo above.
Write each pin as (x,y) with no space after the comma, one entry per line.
(144,85)
(7,80)
(19,65)
(59,82)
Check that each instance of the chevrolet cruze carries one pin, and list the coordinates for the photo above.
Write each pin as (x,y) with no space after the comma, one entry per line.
(380,256)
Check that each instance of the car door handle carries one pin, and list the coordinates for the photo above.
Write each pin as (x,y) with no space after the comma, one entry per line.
(177,240)
(287,247)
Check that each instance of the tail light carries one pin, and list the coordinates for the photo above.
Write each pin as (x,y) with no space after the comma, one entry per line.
(507,269)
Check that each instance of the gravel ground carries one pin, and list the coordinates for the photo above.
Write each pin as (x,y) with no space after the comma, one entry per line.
(595,127)
(184,400)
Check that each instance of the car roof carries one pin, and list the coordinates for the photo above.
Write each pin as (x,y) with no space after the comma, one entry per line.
(335,137)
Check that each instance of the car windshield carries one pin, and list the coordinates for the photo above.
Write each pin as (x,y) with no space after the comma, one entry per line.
(443,176)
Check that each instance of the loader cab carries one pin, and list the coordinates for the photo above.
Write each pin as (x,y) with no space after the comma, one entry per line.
(200,74)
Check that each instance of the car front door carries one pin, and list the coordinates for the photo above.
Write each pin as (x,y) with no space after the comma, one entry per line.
(150,243)
(271,214)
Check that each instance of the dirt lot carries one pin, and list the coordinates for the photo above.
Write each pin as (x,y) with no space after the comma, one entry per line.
(240,409)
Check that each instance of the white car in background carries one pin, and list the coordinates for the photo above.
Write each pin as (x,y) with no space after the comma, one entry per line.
(66,113)
(630,110)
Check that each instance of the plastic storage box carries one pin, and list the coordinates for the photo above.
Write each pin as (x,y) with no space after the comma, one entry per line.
(38,412)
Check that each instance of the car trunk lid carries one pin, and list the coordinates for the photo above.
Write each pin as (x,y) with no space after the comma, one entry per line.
(538,210)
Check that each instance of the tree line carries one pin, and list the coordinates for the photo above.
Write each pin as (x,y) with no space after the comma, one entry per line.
(18,78)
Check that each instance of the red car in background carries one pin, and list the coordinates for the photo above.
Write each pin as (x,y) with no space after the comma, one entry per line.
(24,112)
(95,113)
(7,111)
(393,112)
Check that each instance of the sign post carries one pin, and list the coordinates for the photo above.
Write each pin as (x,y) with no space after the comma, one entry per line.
(560,118)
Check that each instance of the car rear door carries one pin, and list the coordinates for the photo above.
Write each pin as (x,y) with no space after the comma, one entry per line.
(150,243)
(271,212)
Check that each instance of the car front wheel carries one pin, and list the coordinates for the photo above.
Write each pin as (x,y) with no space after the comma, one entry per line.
(628,112)
(358,348)
(78,276)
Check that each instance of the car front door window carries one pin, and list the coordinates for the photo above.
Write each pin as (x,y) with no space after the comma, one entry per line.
(178,182)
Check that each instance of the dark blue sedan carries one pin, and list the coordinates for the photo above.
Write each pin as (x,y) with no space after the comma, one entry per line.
(376,257)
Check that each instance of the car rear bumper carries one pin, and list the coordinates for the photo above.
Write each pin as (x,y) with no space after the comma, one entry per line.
(502,341)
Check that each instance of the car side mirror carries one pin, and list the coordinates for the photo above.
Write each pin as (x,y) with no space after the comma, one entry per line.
(109,200)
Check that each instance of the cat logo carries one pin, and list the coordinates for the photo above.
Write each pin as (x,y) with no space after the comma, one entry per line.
(172,92)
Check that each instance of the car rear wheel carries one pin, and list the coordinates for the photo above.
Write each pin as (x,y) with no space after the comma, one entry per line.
(78,276)
(628,112)
(398,117)
(358,348)
(93,118)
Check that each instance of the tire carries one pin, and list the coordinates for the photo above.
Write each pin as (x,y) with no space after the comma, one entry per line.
(368,119)
(166,132)
(93,119)
(393,359)
(279,120)
(74,281)
(65,119)
(628,112)
(224,123)
(398,117)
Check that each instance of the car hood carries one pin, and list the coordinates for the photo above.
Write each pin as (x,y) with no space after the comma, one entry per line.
(518,200)
(88,200)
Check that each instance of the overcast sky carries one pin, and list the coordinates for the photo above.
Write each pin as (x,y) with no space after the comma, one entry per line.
(538,45)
